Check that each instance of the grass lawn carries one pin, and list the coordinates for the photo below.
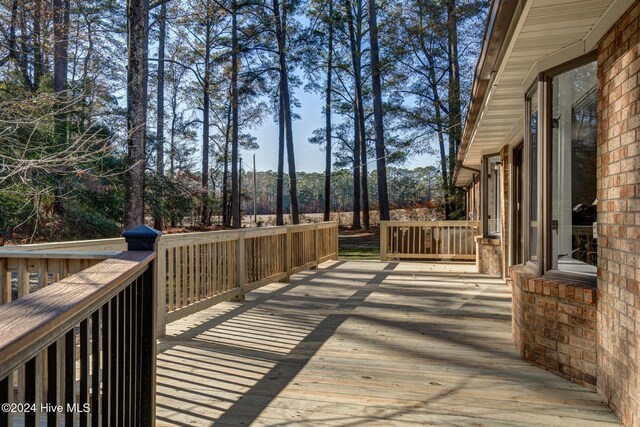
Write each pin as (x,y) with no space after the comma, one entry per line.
(359,244)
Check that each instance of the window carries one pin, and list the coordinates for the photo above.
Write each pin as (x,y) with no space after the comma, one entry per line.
(573,126)
(560,211)
(491,182)
(532,129)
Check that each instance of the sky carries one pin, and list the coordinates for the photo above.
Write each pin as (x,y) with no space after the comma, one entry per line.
(309,157)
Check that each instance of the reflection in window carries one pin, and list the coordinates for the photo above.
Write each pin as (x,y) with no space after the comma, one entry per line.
(573,179)
(493,195)
(533,175)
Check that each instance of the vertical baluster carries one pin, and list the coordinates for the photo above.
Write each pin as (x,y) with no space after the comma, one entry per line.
(95,368)
(122,362)
(107,375)
(128,369)
(133,334)
(117,369)
(212,262)
(222,258)
(5,282)
(84,371)
(216,267)
(148,356)
(170,279)
(6,396)
(192,272)
(196,266)
(69,377)
(207,272)
(53,396)
(183,275)
(139,351)
(30,392)
(65,268)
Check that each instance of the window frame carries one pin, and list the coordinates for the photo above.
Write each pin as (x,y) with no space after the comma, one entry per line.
(544,86)
(535,266)
(484,190)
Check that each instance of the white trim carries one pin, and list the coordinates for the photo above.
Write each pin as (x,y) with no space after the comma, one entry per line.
(606,21)
(495,76)
(588,43)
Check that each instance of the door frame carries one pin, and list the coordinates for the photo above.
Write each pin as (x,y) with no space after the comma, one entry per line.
(516,252)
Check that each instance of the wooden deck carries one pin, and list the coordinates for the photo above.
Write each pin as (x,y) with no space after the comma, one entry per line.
(363,343)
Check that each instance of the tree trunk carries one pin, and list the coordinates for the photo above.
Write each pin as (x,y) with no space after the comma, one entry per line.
(235,190)
(439,125)
(60,65)
(327,166)
(355,41)
(281,28)
(455,129)
(225,172)
(280,183)
(38,51)
(362,130)
(355,223)
(162,24)
(365,183)
(204,184)
(383,196)
(136,111)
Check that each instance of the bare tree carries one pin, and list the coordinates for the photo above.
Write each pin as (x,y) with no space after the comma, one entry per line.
(137,12)
(383,196)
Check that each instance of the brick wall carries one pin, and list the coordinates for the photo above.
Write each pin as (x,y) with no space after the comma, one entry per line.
(619,217)
(488,256)
(554,326)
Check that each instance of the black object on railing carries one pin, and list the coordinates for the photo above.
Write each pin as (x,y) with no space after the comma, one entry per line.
(141,238)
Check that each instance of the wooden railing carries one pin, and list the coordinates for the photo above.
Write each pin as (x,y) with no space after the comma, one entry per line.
(98,245)
(197,270)
(83,350)
(24,271)
(434,240)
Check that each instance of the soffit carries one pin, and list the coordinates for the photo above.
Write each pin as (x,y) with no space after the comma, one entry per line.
(549,33)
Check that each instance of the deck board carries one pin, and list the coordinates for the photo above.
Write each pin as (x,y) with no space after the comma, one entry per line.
(363,343)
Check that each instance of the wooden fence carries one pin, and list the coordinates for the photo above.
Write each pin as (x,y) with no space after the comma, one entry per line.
(433,240)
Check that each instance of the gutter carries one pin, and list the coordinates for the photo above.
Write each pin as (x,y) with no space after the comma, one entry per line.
(501,15)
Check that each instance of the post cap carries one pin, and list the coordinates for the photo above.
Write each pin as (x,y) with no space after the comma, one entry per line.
(141,238)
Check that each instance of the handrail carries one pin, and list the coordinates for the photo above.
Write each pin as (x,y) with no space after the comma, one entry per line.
(99,245)
(431,240)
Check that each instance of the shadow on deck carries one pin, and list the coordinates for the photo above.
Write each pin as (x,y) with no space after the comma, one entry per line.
(363,343)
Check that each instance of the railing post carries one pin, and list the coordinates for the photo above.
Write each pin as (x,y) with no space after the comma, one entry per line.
(144,238)
(383,241)
(316,249)
(241,267)
(160,278)
(336,247)
(287,254)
